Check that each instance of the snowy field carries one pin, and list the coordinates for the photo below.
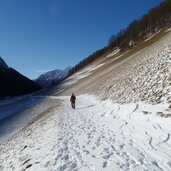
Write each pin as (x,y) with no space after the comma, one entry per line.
(98,135)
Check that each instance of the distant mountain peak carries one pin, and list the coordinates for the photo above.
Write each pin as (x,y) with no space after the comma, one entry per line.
(53,76)
(3,64)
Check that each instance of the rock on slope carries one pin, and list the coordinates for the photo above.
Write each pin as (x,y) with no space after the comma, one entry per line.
(12,83)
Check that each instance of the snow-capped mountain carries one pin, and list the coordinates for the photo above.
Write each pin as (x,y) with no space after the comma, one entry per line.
(3,64)
(52,77)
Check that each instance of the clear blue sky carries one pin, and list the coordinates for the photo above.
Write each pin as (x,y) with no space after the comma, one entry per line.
(42,35)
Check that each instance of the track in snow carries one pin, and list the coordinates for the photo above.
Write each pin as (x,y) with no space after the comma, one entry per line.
(98,135)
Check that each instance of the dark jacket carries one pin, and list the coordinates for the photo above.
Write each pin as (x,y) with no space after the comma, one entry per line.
(73,98)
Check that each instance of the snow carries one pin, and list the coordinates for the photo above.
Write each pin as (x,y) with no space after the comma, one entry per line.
(116,58)
(113,53)
(81,74)
(151,35)
(98,135)
(18,112)
(12,106)
(145,76)
(126,126)
(168,30)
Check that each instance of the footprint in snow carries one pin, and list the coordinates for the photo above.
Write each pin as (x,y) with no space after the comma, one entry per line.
(86,151)
(26,161)
(122,146)
(169,164)
(107,156)
(47,164)
(156,164)
(104,164)
(65,157)
(62,168)
(93,148)
(93,156)
(28,166)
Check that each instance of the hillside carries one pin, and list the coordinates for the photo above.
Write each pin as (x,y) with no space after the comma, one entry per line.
(12,83)
(139,74)
(121,122)
(139,30)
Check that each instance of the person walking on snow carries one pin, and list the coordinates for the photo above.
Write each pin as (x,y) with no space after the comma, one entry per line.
(72,100)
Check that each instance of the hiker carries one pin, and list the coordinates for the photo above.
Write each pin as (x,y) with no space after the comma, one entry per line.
(72,100)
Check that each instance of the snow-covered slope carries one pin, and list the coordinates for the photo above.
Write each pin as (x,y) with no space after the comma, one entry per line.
(52,77)
(143,76)
(117,50)
(126,127)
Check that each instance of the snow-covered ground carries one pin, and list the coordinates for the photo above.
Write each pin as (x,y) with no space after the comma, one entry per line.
(113,53)
(11,106)
(44,133)
(151,35)
(16,113)
(80,75)
(98,135)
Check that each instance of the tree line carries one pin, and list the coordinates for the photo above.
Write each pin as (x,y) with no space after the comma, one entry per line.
(138,30)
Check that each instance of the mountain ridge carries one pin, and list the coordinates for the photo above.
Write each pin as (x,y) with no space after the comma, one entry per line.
(3,63)
(14,83)
(53,77)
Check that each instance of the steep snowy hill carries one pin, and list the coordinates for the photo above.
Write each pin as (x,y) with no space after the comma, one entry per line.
(139,74)
(52,77)
(121,121)
(12,83)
